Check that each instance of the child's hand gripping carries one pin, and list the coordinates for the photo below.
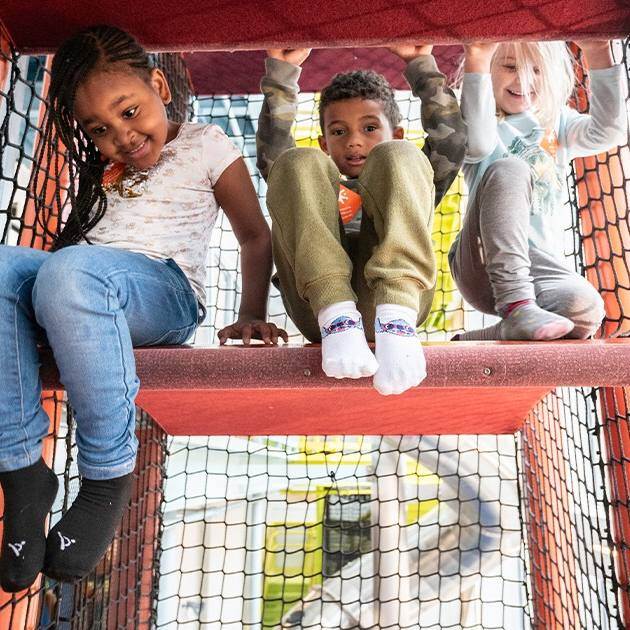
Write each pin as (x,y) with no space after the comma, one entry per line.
(247,328)
(407,52)
(598,53)
(478,55)
(296,56)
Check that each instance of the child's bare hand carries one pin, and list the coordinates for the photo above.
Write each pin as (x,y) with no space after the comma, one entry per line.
(594,45)
(407,52)
(481,48)
(598,54)
(478,55)
(247,328)
(296,56)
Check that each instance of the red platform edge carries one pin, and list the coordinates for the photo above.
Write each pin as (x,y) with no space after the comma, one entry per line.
(471,387)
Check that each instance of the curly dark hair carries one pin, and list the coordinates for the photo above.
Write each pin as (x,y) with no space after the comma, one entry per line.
(95,48)
(365,84)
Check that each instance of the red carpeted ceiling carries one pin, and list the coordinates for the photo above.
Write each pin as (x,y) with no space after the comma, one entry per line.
(228,25)
(240,72)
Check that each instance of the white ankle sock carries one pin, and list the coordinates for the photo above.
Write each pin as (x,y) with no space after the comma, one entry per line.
(345,352)
(399,353)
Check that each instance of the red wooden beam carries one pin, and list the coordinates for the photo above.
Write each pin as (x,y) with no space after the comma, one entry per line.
(471,387)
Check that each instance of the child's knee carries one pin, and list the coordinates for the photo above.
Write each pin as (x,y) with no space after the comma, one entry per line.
(300,162)
(393,150)
(588,315)
(11,274)
(582,304)
(400,163)
(396,152)
(63,280)
(509,170)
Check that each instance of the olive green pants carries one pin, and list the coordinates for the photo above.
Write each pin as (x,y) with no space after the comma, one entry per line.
(391,261)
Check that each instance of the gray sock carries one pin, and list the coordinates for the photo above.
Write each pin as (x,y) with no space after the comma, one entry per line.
(527,322)
(490,333)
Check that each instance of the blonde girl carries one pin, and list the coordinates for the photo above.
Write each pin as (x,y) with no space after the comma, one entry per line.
(506,260)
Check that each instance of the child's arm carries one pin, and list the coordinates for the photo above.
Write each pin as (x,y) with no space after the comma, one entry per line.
(280,89)
(235,193)
(606,124)
(478,104)
(445,145)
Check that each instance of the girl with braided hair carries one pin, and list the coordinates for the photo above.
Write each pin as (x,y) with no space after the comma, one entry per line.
(127,269)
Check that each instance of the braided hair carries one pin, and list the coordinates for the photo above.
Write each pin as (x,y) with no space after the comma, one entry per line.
(95,48)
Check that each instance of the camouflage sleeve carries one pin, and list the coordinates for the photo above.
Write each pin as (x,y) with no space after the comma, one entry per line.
(445,145)
(280,89)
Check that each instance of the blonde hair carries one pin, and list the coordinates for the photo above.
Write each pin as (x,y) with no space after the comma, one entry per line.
(555,78)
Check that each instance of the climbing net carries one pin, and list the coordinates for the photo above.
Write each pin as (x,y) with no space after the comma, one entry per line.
(429,532)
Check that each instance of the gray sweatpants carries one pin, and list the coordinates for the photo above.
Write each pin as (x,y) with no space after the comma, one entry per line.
(494,264)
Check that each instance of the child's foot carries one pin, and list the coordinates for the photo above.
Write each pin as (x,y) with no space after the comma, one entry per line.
(399,353)
(28,496)
(78,541)
(530,322)
(525,322)
(345,352)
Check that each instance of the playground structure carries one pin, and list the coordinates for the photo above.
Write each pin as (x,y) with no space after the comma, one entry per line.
(526,529)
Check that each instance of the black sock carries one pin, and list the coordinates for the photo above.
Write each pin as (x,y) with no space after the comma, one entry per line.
(78,541)
(28,496)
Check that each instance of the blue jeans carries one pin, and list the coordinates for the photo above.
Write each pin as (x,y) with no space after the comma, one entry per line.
(92,305)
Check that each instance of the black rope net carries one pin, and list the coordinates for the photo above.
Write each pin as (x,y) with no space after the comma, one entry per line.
(431,532)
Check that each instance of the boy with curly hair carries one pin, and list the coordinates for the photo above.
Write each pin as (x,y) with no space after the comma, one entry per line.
(351,224)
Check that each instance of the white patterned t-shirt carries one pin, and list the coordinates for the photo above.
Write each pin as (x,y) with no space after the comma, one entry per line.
(169,210)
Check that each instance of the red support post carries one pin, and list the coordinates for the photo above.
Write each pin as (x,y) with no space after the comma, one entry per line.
(24,612)
(605,228)
(137,540)
(548,519)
